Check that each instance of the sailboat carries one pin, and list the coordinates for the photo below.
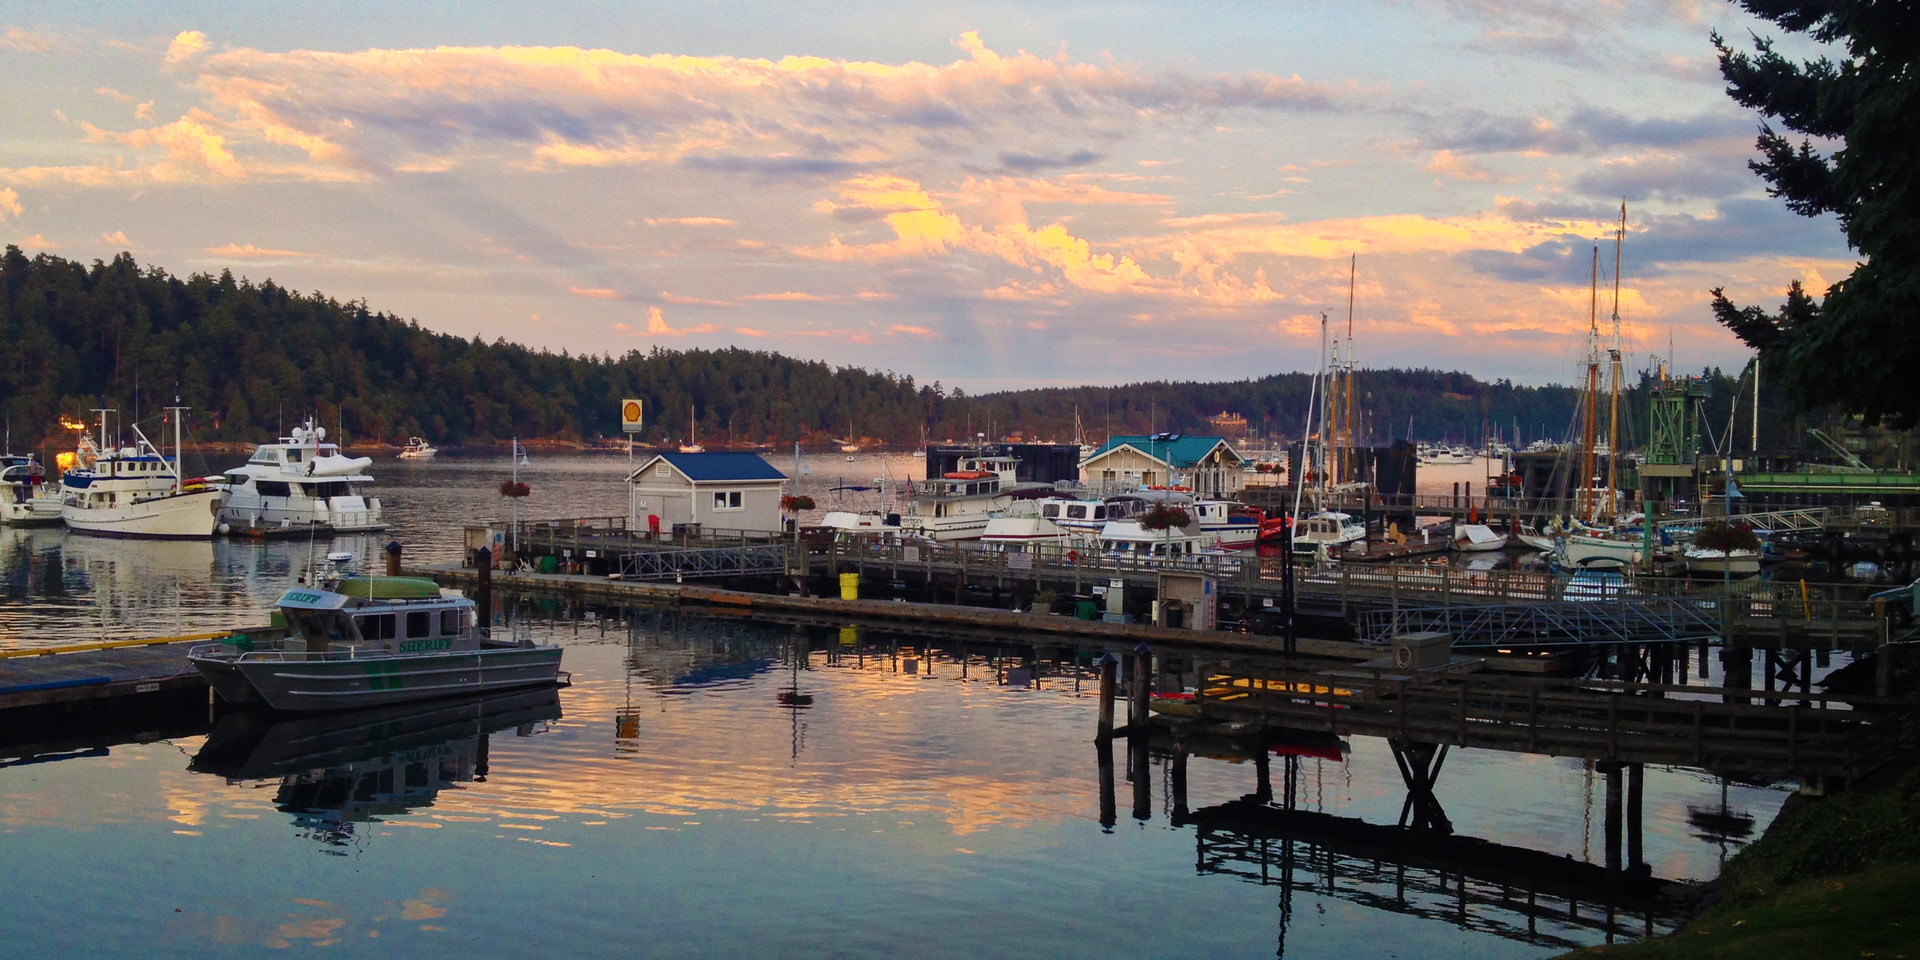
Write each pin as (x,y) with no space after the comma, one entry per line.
(692,445)
(848,446)
(1590,540)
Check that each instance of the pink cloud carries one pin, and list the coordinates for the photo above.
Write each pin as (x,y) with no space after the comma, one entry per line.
(913,331)
(594,293)
(247,251)
(657,327)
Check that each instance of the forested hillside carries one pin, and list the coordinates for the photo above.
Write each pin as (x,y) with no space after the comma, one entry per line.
(253,357)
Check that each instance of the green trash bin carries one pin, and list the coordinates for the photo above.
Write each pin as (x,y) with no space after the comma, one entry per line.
(547,564)
(1086,610)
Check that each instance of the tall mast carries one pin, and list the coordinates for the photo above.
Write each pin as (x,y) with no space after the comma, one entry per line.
(1349,438)
(1756,405)
(179,461)
(1593,394)
(1613,427)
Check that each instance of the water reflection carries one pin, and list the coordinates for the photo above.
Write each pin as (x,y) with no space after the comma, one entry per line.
(338,771)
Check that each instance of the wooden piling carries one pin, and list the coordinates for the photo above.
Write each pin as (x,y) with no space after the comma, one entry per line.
(1108,667)
(1142,686)
(483,586)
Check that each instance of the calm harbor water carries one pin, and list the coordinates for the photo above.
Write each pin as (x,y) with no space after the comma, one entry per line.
(710,787)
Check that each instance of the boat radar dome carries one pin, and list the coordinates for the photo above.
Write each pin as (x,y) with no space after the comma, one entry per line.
(340,556)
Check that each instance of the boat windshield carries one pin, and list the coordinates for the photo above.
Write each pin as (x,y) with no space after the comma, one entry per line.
(317,625)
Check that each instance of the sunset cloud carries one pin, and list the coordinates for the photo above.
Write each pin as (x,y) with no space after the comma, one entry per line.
(185,46)
(657,327)
(10,203)
(247,251)
(690,222)
(595,293)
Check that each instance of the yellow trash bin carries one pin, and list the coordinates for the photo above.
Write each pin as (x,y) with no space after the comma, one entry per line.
(849,586)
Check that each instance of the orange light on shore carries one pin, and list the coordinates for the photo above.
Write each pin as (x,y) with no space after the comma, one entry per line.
(68,423)
(63,460)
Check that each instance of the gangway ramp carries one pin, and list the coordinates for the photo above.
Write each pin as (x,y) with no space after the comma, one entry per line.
(1555,623)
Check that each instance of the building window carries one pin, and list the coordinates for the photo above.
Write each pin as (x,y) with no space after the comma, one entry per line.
(726,500)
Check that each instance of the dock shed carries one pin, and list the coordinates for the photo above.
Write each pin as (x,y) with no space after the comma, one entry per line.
(729,491)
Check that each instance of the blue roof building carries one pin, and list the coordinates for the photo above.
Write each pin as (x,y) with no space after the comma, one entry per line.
(1208,466)
(725,491)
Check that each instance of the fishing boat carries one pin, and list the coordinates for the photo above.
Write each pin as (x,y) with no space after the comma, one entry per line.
(361,641)
(957,504)
(418,448)
(301,484)
(26,499)
(1327,532)
(136,491)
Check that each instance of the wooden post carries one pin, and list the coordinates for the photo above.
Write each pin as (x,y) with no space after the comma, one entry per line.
(1108,665)
(1142,687)
(393,558)
(483,586)
(1612,771)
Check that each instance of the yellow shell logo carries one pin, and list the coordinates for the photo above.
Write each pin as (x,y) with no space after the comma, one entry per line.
(631,411)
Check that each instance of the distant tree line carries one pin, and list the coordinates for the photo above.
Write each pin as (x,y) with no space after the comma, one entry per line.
(254,359)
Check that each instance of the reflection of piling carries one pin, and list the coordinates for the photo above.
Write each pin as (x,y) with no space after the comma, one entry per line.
(1612,771)
(1636,780)
(1179,785)
(1104,752)
(1142,686)
(483,586)
(1142,779)
(1108,667)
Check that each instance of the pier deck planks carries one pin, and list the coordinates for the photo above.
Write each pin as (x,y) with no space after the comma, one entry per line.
(32,681)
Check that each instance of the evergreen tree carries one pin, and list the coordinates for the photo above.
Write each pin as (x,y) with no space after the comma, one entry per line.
(1856,348)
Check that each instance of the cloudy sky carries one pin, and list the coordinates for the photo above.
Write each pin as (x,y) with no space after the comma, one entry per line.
(988,194)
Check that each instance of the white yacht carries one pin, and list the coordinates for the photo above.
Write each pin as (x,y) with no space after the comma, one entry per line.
(25,497)
(1327,530)
(418,448)
(136,492)
(958,504)
(1022,528)
(301,484)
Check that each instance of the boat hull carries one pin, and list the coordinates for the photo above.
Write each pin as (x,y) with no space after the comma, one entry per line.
(1584,551)
(189,515)
(32,512)
(298,683)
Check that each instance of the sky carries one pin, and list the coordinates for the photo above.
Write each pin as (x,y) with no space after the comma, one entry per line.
(990,195)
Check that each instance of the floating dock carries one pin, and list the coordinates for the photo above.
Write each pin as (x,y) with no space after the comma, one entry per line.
(109,670)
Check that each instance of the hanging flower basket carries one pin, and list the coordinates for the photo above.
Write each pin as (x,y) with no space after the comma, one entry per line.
(1162,517)
(1720,535)
(514,488)
(795,504)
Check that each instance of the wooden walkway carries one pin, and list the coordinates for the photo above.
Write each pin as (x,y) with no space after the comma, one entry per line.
(37,678)
(1719,728)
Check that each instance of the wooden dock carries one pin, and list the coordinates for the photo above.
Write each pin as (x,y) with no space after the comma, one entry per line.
(113,670)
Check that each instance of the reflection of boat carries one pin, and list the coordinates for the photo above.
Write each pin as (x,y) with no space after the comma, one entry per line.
(341,769)
(363,641)
(136,491)
(302,482)
(25,498)
(417,448)
(260,744)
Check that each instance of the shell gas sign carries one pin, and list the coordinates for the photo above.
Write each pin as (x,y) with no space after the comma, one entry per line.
(630,416)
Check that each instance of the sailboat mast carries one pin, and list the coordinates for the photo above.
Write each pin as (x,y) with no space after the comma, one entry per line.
(1593,394)
(1349,462)
(1613,427)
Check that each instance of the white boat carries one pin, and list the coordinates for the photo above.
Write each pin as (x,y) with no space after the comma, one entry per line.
(1128,538)
(1533,539)
(366,641)
(957,505)
(1228,524)
(1083,516)
(863,523)
(1477,538)
(1737,563)
(1327,532)
(300,484)
(26,499)
(417,448)
(692,445)
(1023,528)
(137,492)
(1595,548)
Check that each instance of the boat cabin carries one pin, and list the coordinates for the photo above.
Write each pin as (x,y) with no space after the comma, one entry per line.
(378,614)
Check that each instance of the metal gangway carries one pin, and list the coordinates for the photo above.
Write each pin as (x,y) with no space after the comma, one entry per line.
(1810,518)
(699,562)
(1555,623)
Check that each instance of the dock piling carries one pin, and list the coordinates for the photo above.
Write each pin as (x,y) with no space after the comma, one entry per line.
(1109,665)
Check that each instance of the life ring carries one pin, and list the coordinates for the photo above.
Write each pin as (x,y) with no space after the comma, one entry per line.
(1073,556)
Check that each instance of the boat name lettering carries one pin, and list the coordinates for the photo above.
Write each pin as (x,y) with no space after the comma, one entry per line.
(304,597)
(416,646)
